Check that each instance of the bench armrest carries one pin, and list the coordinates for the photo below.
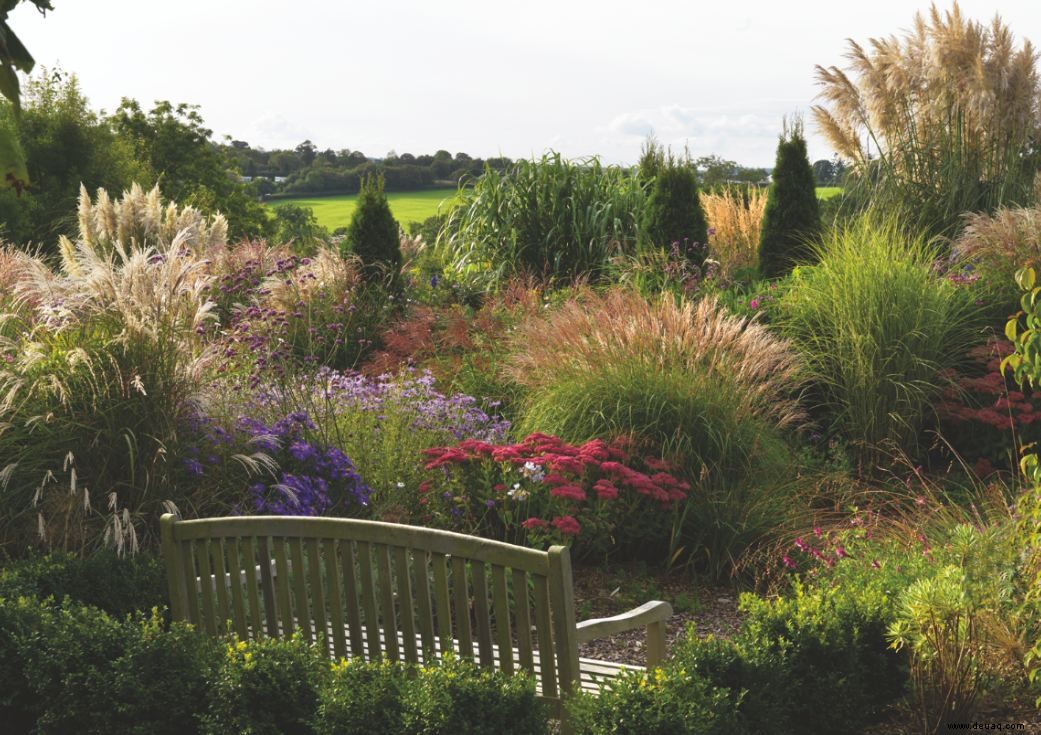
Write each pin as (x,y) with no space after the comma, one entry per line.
(651,614)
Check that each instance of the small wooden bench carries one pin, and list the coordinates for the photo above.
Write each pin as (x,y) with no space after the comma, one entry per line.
(376,590)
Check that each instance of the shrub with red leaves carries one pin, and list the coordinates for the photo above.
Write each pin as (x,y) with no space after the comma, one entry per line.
(598,497)
(984,415)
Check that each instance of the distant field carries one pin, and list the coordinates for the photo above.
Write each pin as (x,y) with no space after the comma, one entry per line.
(407,206)
(411,206)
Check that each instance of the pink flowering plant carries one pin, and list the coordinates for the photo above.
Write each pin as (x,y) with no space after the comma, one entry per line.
(597,497)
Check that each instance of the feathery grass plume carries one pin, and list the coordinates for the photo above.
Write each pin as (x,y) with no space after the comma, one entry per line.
(939,121)
(140,220)
(548,218)
(96,388)
(999,244)
(877,327)
(592,330)
(709,392)
(734,216)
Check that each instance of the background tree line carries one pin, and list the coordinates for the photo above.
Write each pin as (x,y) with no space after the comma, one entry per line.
(308,170)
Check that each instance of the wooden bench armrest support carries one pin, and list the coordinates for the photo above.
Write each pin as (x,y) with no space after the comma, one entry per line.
(651,614)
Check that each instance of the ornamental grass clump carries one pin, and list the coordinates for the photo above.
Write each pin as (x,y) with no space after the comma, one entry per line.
(710,392)
(141,220)
(939,121)
(734,219)
(878,328)
(93,388)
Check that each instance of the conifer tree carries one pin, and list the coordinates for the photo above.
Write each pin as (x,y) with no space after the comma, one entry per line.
(374,235)
(792,217)
(673,212)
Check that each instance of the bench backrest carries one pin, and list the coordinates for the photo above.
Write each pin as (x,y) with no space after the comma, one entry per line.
(377,591)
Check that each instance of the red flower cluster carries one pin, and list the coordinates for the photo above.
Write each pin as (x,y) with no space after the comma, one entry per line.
(574,475)
(1002,408)
(565,464)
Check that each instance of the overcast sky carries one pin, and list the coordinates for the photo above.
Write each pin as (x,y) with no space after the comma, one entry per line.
(480,76)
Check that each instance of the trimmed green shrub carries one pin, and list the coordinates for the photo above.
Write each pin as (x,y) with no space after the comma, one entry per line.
(877,328)
(794,653)
(75,669)
(792,217)
(374,235)
(20,620)
(829,645)
(673,212)
(267,687)
(118,585)
(661,702)
(362,698)
(456,698)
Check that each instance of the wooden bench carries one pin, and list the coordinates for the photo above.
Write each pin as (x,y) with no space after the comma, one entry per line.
(376,590)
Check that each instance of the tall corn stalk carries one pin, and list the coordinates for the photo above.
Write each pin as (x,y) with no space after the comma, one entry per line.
(547,218)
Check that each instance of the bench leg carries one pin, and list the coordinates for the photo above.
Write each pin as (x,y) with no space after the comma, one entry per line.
(655,644)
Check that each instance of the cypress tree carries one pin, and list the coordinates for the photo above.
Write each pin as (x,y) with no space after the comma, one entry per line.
(792,216)
(673,213)
(373,235)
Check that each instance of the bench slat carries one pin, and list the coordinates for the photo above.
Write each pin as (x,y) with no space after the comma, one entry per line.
(238,605)
(217,558)
(406,608)
(522,614)
(442,601)
(267,583)
(284,615)
(421,574)
(368,596)
(332,573)
(461,594)
(209,612)
(386,584)
(317,589)
(544,631)
(296,557)
(191,600)
(501,609)
(350,581)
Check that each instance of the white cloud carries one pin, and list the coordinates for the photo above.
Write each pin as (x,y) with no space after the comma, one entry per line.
(274,130)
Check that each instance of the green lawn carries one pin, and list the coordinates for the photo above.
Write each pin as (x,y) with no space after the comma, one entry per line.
(407,206)
(412,206)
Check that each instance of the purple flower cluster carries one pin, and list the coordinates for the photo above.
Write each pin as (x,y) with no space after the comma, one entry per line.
(312,480)
(459,416)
